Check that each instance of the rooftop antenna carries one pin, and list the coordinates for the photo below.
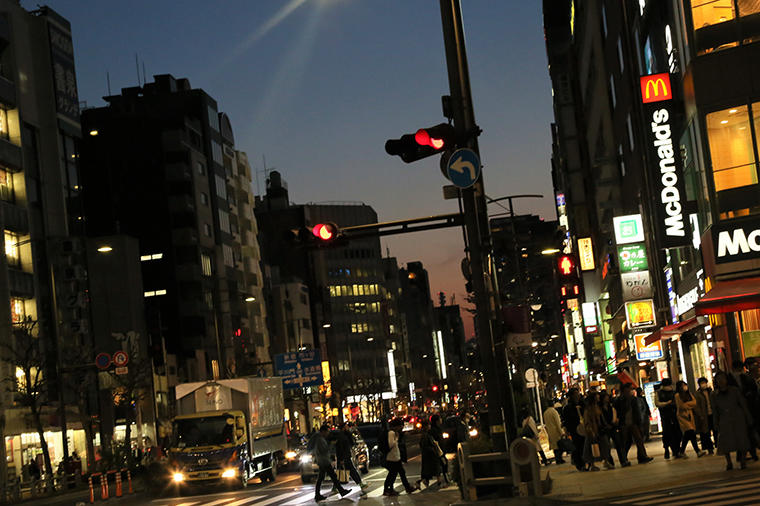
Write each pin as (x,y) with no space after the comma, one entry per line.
(143,66)
(108,83)
(137,67)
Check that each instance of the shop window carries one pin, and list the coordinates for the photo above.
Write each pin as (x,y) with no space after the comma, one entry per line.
(711,12)
(731,149)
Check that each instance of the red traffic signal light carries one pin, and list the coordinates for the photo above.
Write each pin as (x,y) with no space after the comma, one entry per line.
(566,265)
(425,142)
(325,231)
(435,388)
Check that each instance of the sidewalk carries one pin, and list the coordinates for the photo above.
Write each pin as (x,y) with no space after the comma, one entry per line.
(572,485)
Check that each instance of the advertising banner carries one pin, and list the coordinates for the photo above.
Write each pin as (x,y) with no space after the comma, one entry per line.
(628,229)
(647,352)
(736,240)
(586,254)
(640,313)
(632,258)
(636,285)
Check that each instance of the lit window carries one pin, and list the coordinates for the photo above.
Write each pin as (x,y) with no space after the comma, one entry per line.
(206,264)
(731,149)
(6,185)
(155,256)
(3,123)
(18,312)
(711,12)
(11,247)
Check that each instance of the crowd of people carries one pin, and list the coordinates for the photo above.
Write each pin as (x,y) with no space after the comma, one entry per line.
(588,427)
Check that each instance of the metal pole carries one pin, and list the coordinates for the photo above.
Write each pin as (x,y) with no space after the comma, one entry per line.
(476,217)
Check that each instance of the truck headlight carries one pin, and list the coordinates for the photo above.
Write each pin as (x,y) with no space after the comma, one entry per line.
(291,455)
(178,477)
(305,459)
(445,435)
(229,473)
(473,432)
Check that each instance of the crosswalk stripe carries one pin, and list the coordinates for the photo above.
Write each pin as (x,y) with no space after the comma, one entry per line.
(188,503)
(636,499)
(218,501)
(736,497)
(302,499)
(278,498)
(669,500)
(244,501)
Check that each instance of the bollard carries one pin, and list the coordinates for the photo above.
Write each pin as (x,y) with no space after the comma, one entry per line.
(129,481)
(103,487)
(92,490)
(118,483)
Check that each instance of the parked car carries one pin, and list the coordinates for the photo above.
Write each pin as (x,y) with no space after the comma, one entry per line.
(359,457)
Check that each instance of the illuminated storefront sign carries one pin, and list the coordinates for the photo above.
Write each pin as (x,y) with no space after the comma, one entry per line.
(647,352)
(686,302)
(586,254)
(588,309)
(628,229)
(636,285)
(736,240)
(640,313)
(632,258)
(655,88)
(610,356)
(667,175)
(672,296)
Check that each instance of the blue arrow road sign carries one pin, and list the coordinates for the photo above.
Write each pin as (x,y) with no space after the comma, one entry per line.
(299,369)
(463,168)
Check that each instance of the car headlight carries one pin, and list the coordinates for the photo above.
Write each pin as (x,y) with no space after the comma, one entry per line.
(473,432)
(291,455)
(445,435)
(178,477)
(229,473)
(305,459)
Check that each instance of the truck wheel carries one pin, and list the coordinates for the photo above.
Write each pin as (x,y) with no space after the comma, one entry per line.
(272,473)
(244,477)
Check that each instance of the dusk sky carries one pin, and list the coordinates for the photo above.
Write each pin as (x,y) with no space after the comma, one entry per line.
(317,86)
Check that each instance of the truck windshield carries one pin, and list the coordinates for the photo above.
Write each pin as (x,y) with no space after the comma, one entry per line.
(207,431)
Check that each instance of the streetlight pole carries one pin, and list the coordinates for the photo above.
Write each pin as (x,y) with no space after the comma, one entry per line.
(476,219)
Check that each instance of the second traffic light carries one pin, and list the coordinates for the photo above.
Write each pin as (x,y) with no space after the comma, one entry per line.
(425,142)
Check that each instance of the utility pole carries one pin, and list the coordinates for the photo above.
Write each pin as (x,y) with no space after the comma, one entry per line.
(476,225)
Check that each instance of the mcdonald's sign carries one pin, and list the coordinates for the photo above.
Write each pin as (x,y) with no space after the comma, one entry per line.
(655,88)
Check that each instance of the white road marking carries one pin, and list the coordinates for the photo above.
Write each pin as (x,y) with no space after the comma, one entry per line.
(278,498)
(244,501)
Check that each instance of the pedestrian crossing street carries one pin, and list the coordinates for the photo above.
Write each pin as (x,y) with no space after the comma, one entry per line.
(741,492)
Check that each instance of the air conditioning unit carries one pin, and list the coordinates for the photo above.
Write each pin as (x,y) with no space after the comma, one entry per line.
(70,247)
(74,273)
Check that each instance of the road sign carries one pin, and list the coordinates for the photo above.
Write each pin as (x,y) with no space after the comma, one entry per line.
(121,370)
(463,168)
(299,369)
(120,358)
(531,375)
(103,360)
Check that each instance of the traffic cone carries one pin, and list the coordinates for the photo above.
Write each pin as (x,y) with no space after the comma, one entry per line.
(103,487)
(129,481)
(118,484)
(92,490)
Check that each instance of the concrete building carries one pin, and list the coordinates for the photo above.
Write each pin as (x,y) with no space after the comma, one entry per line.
(41,217)
(159,164)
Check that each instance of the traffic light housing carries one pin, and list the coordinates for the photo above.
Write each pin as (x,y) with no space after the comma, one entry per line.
(423,143)
(325,232)
(319,235)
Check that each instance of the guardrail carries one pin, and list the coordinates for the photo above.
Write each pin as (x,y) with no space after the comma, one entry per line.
(470,482)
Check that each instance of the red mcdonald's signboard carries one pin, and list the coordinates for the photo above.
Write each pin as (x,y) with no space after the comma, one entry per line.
(655,88)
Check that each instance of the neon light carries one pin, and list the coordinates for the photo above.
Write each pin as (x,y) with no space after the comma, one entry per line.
(655,88)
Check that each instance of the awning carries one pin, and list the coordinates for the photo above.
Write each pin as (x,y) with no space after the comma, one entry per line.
(730,296)
(672,330)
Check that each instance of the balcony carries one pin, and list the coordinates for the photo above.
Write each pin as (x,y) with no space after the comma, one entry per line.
(7,93)
(15,218)
(10,155)
(21,283)
(178,172)
(181,203)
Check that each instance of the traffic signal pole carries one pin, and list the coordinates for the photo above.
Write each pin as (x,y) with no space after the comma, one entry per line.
(477,232)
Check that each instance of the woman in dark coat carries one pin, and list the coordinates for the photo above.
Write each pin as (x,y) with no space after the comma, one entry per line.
(430,455)
(436,430)
(732,421)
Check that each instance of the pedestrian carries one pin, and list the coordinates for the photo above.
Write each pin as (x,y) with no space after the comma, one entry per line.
(595,445)
(529,430)
(645,413)
(554,430)
(732,420)
(344,441)
(393,460)
(671,431)
(436,430)
(463,427)
(740,378)
(611,429)
(430,454)
(704,415)
(686,404)
(630,423)
(321,453)
(571,419)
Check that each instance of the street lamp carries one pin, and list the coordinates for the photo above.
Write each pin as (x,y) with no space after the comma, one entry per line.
(250,298)
(549,251)
(104,248)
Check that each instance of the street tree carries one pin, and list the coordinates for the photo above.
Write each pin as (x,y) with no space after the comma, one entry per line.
(80,376)
(27,379)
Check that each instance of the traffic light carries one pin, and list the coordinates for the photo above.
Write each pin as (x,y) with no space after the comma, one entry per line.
(566,266)
(321,234)
(425,142)
(325,231)
(570,285)
(435,388)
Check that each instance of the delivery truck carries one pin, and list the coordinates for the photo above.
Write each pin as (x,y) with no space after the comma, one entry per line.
(227,431)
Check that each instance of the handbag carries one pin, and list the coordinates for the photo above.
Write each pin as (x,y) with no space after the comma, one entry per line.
(437,449)
(343,474)
(566,445)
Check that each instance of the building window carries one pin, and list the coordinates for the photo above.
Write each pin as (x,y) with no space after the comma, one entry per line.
(3,123)
(612,91)
(206,264)
(213,118)
(6,185)
(224,221)
(731,148)
(207,229)
(712,12)
(204,198)
(629,128)
(11,248)
(18,310)
(221,187)
(229,260)
(216,152)
(201,169)
(621,61)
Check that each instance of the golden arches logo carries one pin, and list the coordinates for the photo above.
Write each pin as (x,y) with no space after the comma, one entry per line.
(655,88)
